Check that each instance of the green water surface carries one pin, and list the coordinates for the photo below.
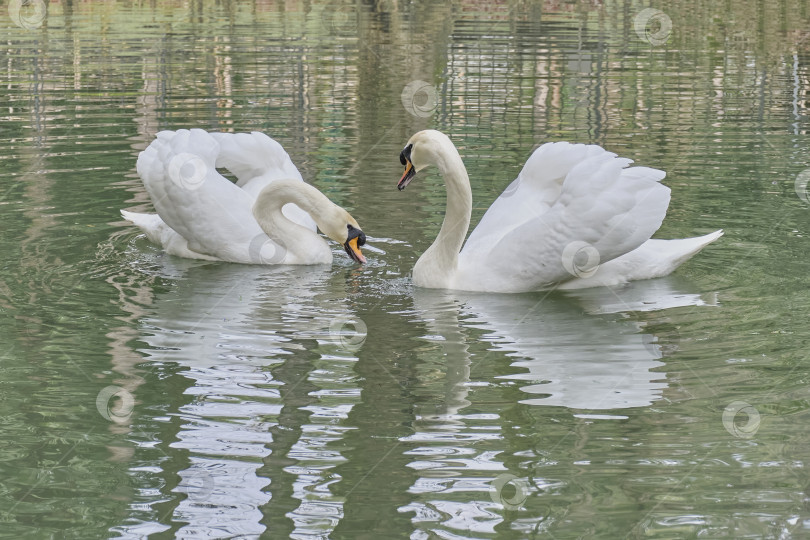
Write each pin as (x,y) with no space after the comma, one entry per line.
(143,395)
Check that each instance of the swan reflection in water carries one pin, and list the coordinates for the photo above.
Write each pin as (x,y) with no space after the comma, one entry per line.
(270,385)
(576,351)
(580,351)
(245,342)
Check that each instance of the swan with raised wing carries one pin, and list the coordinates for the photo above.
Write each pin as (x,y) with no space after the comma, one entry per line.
(576,216)
(268,216)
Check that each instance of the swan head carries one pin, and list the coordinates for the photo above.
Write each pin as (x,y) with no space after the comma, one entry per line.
(341,227)
(354,239)
(427,147)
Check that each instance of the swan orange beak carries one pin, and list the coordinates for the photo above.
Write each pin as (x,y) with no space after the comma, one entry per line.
(407,176)
(355,238)
(405,159)
(353,250)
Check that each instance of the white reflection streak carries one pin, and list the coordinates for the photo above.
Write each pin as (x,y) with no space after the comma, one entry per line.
(571,360)
(226,324)
(584,362)
(447,462)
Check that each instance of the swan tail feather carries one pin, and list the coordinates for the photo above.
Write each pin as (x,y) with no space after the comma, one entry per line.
(654,258)
(150,224)
(159,233)
(666,255)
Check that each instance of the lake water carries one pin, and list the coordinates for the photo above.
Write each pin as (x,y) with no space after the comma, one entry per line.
(146,395)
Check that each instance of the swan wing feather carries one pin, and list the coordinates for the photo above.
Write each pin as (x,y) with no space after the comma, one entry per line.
(535,190)
(213,214)
(579,201)
(257,160)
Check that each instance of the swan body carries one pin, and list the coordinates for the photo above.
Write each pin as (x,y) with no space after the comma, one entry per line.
(269,216)
(576,216)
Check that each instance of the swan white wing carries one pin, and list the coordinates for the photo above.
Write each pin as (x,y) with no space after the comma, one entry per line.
(257,160)
(213,214)
(535,190)
(550,230)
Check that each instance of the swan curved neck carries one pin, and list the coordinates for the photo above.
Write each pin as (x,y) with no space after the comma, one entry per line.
(296,239)
(439,263)
(459,203)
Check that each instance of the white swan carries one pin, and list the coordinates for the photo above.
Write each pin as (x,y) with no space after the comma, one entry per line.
(269,216)
(575,217)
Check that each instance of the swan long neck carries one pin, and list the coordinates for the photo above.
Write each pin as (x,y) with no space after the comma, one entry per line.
(443,253)
(268,211)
